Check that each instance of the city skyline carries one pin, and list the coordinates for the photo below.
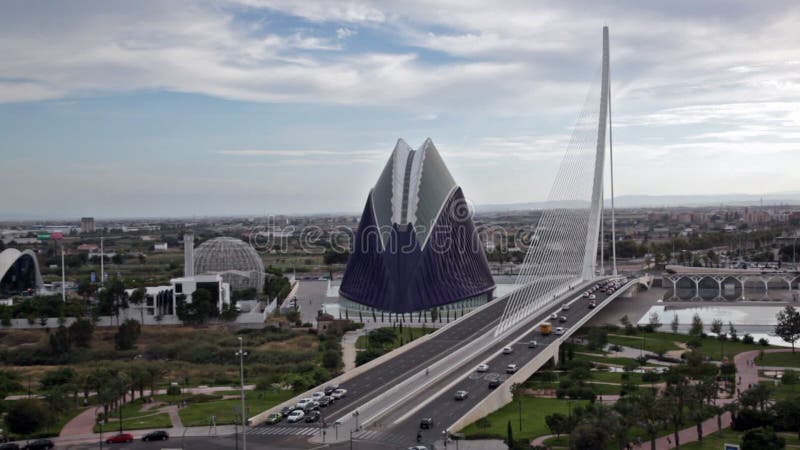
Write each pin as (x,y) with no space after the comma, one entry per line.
(197,109)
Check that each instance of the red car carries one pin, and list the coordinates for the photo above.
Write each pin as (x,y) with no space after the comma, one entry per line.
(120,438)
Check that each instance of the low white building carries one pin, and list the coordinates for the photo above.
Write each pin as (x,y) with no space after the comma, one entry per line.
(187,285)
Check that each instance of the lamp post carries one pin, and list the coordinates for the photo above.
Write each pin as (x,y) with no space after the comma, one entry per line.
(336,429)
(355,415)
(99,422)
(241,354)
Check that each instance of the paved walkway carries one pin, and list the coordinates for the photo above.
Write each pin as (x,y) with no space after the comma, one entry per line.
(349,348)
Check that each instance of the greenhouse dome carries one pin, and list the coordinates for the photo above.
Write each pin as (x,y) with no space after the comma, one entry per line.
(239,264)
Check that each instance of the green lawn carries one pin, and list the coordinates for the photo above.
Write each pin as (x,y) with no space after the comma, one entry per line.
(658,345)
(142,422)
(409,334)
(602,359)
(599,389)
(199,414)
(787,359)
(534,411)
(711,346)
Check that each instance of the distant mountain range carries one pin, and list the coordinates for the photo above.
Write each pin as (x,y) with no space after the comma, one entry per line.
(655,201)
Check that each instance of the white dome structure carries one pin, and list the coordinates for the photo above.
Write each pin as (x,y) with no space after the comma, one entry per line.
(19,271)
(238,263)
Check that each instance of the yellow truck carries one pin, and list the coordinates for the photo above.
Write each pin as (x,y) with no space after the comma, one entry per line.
(545,328)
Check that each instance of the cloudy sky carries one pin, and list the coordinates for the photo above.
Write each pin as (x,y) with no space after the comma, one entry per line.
(261,106)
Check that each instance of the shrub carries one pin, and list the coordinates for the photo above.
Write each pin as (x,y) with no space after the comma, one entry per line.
(748,419)
(763,342)
(747,339)
(651,377)
(173,390)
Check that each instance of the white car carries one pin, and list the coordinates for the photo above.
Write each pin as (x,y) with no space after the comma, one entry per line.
(592,297)
(303,402)
(418,447)
(559,330)
(565,307)
(317,395)
(339,393)
(554,316)
(511,368)
(586,294)
(295,416)
(508,350)
(483,367)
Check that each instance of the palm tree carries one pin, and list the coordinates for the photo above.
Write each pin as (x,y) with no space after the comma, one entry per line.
(650,412)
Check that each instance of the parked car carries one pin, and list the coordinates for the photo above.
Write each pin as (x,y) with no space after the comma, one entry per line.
(272,419)
(461,395)
(162,435)
(508,350)
(426,423)
(511,368)
(313,416)
(39,444)
(482,367)
(330,388)
(9,446)
(120,438)
(296,416)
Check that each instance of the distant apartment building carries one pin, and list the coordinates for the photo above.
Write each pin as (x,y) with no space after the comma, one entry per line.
(87,225)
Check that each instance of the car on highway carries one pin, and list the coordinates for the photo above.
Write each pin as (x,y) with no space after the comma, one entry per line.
(482,367)
(285,411)
(120,438)
(554,316)
(317,395)
(586,294)
(592,297)
(461,395)
(507,350)
(296,416)
(326,401)
(592,305)
(311,406)
(418,447)
(533,344)
(494,383)
(511,368)
(312,416)
(272,419)
(40,444)
(162,435)
(426,423)
(559,330)
(303,402)
(339,393)
(562,319)
(330,388)
(565,307)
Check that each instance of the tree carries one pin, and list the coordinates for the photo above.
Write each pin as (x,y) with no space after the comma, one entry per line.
(331,359)
(138,297)
(697,326)
(80,332)
(26,416)
(597,338)
(587,437)
(716,327)
(510,435)
(59,341)
(762,439)
(674,323)
(127,334)
(788,327)
(654,321)
(558,424)
(199,310)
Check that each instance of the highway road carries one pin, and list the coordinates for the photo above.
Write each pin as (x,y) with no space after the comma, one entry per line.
(400,428)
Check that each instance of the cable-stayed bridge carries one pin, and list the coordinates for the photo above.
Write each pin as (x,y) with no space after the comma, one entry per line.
(388,396)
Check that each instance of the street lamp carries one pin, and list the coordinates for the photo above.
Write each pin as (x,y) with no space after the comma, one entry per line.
(355,415)
(241,353)
(336,428)
(99,422)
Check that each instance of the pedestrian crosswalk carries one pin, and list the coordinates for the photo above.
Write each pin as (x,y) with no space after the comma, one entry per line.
(273,430)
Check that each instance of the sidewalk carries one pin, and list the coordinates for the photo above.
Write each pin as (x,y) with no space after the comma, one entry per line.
(349,348)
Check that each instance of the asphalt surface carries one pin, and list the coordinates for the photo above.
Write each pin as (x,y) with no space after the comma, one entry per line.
(365,386)
(444,409)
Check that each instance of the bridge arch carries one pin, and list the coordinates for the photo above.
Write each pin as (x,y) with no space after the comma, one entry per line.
(685,289)
(708,288)
(731,288)
(755,288)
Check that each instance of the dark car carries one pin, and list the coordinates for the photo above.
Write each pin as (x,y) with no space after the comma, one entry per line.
(159,435)
(329,389)
(286,410)
(313,416)
(9,446)
(426,423)
(494,384)
(325,401)
(40,444)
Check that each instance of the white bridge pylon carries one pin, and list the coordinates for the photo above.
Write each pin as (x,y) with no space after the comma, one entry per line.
(563,248)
